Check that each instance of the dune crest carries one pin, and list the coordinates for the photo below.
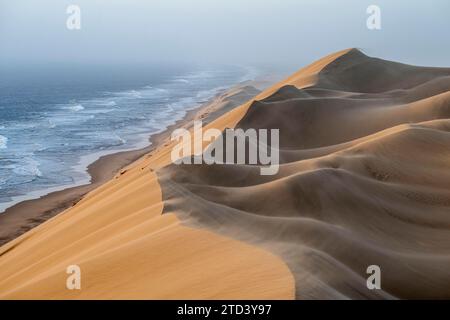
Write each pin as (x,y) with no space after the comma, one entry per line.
(364,179)
(127,250)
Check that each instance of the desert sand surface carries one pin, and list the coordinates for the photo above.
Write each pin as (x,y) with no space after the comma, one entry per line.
(127,249)
(28,214)
(364,179)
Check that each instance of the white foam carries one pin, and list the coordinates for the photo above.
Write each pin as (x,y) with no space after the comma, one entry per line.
(111,103)
(121,140)
(30,167)
(160,120)
(100,111)
(75,108)
(180,80)
(132,94)
(51,124)
(3,142)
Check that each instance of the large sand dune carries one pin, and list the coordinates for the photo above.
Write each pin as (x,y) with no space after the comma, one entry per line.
(364,179)
(127,249)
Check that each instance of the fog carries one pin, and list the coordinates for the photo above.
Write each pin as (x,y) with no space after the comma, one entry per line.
(284,33)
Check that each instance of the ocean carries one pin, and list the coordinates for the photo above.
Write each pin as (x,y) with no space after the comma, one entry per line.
(55,122)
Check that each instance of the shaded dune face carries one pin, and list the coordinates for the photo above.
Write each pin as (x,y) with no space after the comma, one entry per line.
(364,180)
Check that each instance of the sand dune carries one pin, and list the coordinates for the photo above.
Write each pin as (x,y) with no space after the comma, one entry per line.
(364,179)
(127,250)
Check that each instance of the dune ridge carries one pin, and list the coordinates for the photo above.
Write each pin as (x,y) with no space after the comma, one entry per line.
(127,250)
(364,179)
(364,150)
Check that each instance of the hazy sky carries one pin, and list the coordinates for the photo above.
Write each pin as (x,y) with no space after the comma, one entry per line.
(247,32)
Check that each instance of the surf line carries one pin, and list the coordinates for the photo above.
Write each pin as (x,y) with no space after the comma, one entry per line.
(233,146)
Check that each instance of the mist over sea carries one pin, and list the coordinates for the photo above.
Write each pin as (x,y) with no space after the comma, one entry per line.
(53,123)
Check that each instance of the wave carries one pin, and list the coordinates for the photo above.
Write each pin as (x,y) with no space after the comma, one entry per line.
(133,114)
(130,93)
(51,124)
(100,111)
(181,80)
(109,103)
(120,139)
(75,108)
(30,167)
(205,74)
(3,142)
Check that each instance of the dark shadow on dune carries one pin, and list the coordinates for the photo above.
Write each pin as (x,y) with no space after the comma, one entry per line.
(364,180)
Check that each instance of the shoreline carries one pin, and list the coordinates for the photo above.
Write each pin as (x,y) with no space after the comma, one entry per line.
(28,214)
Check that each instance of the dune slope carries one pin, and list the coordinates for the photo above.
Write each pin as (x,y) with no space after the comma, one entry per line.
(364,179)
(126,249)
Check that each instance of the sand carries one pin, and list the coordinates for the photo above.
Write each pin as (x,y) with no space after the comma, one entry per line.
(28,214)
(127,249)
(364,180)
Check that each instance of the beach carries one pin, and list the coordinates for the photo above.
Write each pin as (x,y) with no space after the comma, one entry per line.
(234,254)
(27,214)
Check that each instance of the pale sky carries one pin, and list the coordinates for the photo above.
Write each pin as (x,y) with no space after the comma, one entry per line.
(245,32)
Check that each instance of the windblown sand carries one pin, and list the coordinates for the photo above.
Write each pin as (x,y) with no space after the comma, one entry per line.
(364,180)
(127,249)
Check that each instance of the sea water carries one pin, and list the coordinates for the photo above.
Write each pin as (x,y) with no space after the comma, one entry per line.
(55,122)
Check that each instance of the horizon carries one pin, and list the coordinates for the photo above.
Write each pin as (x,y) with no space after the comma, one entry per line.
(285,36)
